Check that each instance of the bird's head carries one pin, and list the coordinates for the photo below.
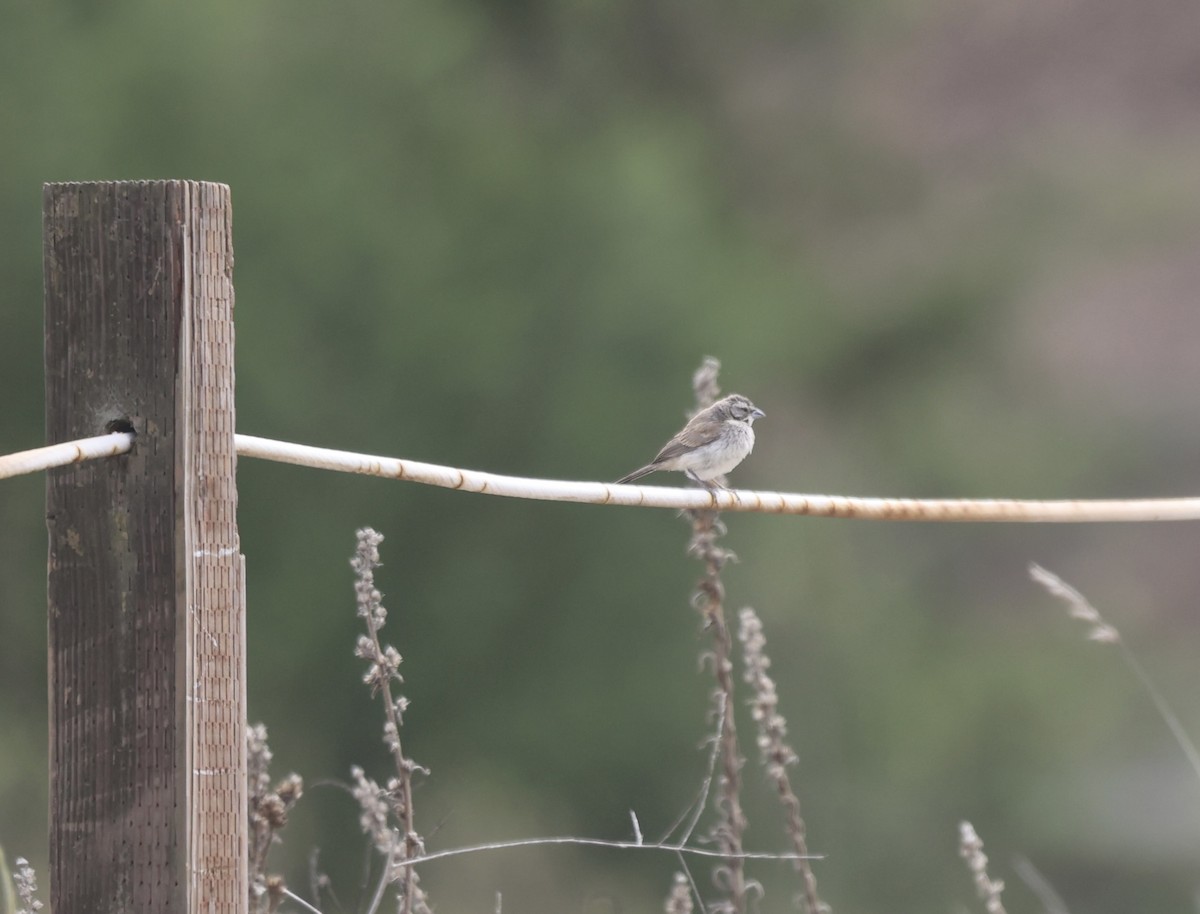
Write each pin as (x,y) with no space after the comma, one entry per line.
(737,408)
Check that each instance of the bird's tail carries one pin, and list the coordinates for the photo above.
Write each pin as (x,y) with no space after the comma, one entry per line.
(637,474)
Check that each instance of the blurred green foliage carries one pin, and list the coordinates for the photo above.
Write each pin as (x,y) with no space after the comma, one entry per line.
(502,235)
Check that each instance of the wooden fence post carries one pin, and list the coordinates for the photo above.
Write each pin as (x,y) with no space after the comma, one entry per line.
(146,592)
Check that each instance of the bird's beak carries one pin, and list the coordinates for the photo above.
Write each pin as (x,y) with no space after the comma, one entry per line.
(758,413)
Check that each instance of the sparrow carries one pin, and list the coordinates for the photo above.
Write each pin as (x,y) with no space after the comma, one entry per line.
(714,441)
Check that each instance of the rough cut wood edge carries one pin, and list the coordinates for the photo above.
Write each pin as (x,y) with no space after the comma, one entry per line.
(215,631)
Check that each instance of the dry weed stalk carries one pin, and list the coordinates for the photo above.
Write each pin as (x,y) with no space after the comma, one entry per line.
(378,804)
(970,848)
(709,600)
(25,880)
(268,811)
(679,901)
(777,755)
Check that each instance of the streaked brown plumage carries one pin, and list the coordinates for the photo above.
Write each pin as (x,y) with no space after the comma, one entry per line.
(713,442)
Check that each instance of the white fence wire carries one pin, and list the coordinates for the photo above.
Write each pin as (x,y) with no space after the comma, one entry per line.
(603,493)
(57,455)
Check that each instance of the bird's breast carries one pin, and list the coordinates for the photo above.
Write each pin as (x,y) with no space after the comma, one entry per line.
(725,452)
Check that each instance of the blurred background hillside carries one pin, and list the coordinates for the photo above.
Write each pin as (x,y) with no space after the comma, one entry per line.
(949,248)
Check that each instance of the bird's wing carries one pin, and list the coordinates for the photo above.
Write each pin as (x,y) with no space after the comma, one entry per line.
(693,435)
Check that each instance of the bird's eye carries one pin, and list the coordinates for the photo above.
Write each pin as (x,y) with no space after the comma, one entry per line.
(739,411)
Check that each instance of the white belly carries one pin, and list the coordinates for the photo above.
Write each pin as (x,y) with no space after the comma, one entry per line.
(722,455)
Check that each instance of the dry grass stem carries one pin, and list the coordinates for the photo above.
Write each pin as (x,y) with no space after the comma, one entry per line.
(970,848)
(319,882)
(696,808)
(777,755)
(292,896)
(1077,605)
(378,805)
(1101,631)
(1029,874)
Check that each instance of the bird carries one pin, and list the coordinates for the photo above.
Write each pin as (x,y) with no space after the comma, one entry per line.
(713,442)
